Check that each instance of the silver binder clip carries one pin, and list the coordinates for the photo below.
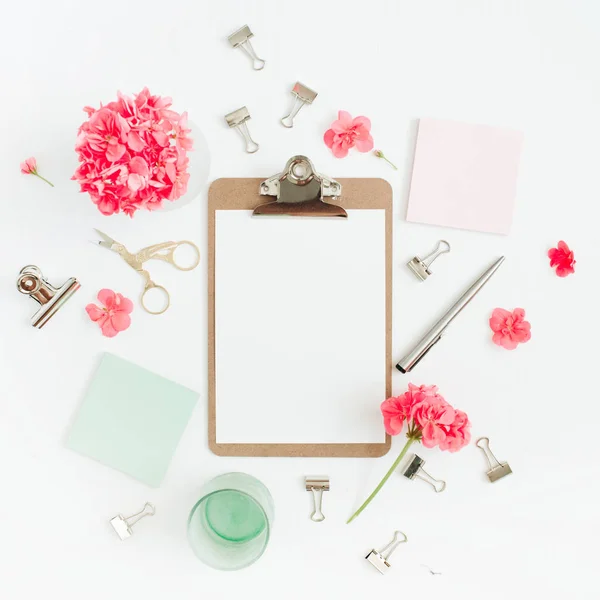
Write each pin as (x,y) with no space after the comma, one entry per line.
(302,95)
(420,266)
(317,485)
(238,119)
(379,558)
(415,469)
(241,39)
(31,282)
(497,470)
(122,525)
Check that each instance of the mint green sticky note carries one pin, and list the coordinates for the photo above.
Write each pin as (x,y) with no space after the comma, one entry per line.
(132,419)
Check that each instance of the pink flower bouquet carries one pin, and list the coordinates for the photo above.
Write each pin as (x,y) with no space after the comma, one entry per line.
(431,420)
(133,154)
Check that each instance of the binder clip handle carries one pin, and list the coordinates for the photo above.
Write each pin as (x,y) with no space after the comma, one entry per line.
(498,469)
(288,121)
(442,247)
(437,484)
(251,145)
(484,444)
(149,510)
(257,63)
(387,551)
(317,514)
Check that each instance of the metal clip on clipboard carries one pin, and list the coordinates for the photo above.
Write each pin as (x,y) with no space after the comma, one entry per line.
(300,192)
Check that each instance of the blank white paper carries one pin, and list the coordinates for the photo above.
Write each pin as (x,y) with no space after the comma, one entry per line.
(300,328)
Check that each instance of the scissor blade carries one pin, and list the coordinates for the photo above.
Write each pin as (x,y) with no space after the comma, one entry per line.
(106,241)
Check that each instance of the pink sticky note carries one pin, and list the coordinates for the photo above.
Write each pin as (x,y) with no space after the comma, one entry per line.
(464,176)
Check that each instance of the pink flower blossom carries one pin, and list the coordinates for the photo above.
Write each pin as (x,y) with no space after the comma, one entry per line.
(510,328)
(29,167)
(133,154)
(433,419)
(458,434)
(346,133)
(563,259)
(429,417)
(114,316)
(397,410)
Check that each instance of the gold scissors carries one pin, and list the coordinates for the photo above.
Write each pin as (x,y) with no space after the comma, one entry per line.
(164,251)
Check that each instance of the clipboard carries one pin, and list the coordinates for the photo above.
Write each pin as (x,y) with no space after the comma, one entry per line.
(299,192)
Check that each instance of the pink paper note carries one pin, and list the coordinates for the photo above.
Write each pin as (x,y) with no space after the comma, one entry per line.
(464,176)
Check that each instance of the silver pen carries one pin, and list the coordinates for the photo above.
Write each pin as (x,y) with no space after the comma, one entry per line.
(406,364)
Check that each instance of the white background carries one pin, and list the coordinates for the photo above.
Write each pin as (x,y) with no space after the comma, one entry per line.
(531,65)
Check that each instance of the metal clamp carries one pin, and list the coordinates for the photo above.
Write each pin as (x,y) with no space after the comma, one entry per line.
(498,469)
(420,266)
(302,95)
(415,469)
(238,119)
(317,485)
(241,39)
(32,283)
(300,191)
(380,558)
(122,525)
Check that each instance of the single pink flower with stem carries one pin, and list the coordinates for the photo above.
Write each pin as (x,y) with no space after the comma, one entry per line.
(380,154)
(430,420)
(113,317)
(510,328)
(29,167)
(346,133)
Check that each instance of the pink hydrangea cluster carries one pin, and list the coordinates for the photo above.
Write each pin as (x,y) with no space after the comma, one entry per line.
(133,153)
(430,418)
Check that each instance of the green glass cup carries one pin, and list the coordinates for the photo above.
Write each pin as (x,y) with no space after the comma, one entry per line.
(229,527)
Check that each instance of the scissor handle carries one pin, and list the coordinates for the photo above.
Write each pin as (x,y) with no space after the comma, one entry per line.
(150,285)
(169,255)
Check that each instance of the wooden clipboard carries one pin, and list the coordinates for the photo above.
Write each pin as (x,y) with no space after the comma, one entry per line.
(243,194)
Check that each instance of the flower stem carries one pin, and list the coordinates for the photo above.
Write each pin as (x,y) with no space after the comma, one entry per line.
(382,482)
(380,154)
(389,162)
(43,178)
